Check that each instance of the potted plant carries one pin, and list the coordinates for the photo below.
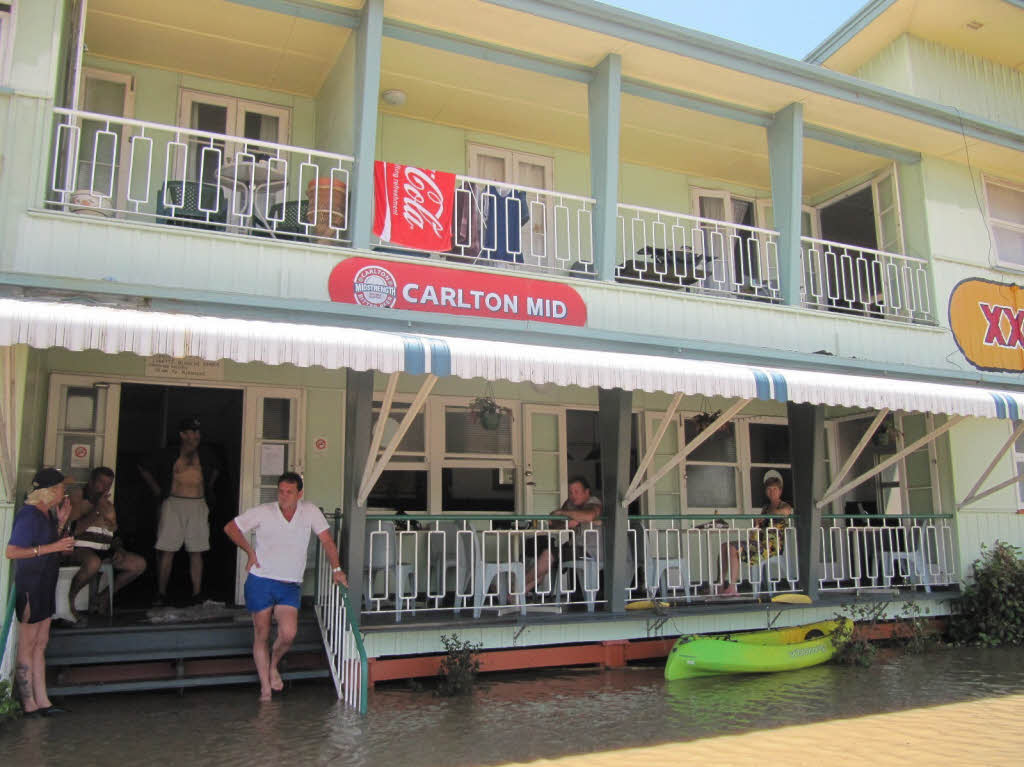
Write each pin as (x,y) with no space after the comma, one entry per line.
(486,411)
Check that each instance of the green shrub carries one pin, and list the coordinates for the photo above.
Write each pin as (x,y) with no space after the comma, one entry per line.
(459,667)
(991,610)
(9,707)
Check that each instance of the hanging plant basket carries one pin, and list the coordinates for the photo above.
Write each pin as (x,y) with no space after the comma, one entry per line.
(486,412)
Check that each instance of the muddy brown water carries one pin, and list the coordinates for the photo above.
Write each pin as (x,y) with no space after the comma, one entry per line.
(513,717)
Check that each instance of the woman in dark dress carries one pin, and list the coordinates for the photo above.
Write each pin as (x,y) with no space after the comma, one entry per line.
(35,547)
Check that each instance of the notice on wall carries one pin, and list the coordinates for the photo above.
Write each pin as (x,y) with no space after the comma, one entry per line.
(987,320)
(81,456)
(271,460)
(165,366)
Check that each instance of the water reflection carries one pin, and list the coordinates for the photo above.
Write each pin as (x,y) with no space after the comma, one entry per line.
(518,717)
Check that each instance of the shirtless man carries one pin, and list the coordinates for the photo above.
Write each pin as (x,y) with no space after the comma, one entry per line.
(184,479)
(93,523)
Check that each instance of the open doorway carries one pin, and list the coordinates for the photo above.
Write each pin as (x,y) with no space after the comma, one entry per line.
(148,423)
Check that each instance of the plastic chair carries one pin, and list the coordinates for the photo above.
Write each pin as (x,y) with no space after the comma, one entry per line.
(290,221)
(382,556)
(586,567)
(782,566)
(450,554)
(486,572)
(104,578)
(187,203)
(914,569)
(658,564)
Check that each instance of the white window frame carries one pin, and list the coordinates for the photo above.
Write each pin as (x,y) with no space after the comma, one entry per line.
(8,21)
(874,182)
(994,223)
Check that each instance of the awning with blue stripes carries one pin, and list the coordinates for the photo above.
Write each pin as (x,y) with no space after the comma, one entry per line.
(79,327)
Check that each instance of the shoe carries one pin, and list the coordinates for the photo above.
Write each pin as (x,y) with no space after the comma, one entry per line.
(159,601)
(52,711)
(31,714)
(198,599)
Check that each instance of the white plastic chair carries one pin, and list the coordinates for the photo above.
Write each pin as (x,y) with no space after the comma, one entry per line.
(63,592)
(658,564)
(382,557)
(782,566)
(487,571)
(586,567)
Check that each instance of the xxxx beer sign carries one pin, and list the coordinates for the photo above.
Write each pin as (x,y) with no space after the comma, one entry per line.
(987,320)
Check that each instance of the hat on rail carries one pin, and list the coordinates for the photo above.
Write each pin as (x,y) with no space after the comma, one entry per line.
(190,423)
(47,477)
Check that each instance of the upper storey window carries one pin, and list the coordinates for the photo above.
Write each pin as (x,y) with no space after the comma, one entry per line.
(1006,220)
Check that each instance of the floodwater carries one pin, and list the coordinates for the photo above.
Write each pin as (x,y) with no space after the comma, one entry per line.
(511,717)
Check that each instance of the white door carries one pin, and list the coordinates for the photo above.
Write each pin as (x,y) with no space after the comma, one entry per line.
(272,443)
(81,425)
(544,473)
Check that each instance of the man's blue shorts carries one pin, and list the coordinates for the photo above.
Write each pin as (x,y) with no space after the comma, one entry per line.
(261,593)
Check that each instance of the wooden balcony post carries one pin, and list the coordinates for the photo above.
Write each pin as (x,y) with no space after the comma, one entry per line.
(807,457)
(605,99)
(358,422)
(786,160)
(615,416)
(369,40)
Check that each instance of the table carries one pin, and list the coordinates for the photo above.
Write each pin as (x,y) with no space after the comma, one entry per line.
(244,182)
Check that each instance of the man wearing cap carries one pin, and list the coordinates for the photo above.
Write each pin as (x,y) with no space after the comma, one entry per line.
(277,562)
(184,479)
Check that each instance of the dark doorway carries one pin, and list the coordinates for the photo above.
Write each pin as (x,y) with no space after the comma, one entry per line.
(149,423)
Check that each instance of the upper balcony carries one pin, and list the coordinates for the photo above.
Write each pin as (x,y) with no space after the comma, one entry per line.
(255,147)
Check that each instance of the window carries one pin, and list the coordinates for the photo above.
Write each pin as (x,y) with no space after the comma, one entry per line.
(228,116)
(733,259)
(711,469)
(1006,221)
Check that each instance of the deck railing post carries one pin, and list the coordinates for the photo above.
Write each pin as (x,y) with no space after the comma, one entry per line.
(614,421)
(605,97)
(358,418)
(807,457)
(785,151)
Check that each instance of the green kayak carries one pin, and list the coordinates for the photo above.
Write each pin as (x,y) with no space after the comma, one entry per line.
(755,652)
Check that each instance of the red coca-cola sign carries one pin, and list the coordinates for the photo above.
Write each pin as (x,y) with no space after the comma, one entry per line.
(421,288)
(413,206)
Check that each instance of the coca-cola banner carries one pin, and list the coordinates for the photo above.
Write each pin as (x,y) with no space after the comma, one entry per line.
(421,288)
(413,206)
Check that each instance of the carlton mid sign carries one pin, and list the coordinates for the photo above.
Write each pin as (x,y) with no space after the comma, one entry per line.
(987,320)
(420,288)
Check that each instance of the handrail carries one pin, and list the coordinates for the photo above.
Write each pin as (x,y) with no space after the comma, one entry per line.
(8,622)
(880,517)
(527,189)
(99,117)
(343,643)
(873,251)
(699,219)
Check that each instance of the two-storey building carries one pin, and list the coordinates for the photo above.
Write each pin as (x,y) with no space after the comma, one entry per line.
(675,263)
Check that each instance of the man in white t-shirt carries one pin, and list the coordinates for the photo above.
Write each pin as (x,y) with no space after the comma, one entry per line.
(277,560)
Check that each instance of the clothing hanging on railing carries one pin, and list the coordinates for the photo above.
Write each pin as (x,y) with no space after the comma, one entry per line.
(506,213)
(470,218)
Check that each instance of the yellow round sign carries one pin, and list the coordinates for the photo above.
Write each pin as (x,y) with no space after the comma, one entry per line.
(987,320)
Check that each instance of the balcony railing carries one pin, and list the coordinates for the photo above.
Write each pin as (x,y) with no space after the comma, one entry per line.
(871,283)
(685,557)
(476,563)
(659,248)
(109,166)
(868,552)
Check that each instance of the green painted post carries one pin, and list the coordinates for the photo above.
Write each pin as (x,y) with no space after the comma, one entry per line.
(615,425)
(368,55)
(358,426)
(807,457)
(605,99)
(786,160)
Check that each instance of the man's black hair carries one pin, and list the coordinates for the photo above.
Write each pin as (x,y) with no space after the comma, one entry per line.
(293,478)
(101,471)
(582,480)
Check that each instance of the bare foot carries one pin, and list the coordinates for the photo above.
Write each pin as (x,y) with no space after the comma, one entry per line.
(264,695)
(276,682)
(729,591)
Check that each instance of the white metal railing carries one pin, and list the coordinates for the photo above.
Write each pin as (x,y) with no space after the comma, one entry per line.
(477,562)
(343,643)
(130,169)
(887,552)
(520,226)
(863,281)
(660,248)
(681,557)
